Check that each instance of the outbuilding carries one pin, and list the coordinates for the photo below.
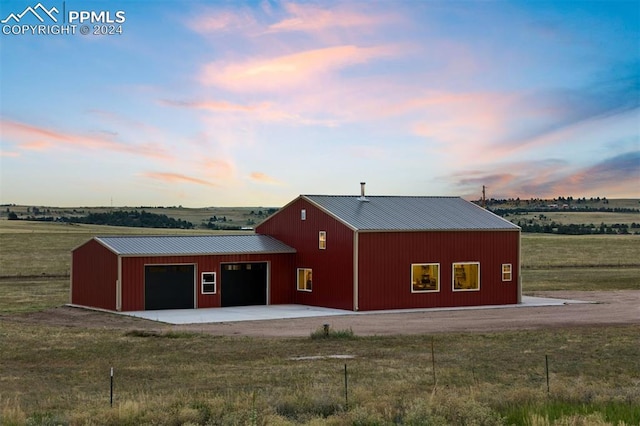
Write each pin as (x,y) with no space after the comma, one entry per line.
(357,253)
(133,273)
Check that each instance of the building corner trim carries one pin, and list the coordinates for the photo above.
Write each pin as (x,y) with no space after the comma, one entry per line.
(119,286)
(355,271)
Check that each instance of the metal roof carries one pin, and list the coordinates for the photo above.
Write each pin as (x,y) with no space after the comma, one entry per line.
(170,245)
(407,213)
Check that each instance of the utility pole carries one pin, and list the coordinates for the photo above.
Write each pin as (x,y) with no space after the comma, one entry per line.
(484,199)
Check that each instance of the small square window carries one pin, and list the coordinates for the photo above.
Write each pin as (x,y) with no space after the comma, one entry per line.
(305,279)
(506,272)
(322,240)
(208,283)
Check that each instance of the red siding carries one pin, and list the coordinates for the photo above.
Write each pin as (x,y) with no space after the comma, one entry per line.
(94,272)
(332,267)
(280,281)
(385,267)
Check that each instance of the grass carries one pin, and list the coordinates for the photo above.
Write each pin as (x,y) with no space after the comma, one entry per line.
(28,295)
(63,373)
(583,279)
(552,251)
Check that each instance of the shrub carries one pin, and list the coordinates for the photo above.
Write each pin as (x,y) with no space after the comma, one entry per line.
(326,332)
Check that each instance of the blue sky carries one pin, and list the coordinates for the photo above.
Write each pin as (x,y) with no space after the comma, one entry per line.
(252,103)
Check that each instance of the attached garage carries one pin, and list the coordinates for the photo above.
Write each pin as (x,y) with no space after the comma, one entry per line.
(134,273)
(245,284)
(169,287)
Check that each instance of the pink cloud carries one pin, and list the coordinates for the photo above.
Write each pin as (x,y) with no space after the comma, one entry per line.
(458,121)
(264,111)
(210,21)
(217,106)
(29,137)
(219,169)
(177,178)
(289,71)
(312,18)
(613,177)
(263,178)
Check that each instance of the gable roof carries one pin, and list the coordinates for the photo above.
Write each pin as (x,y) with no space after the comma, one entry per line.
(169,245)
(407,213)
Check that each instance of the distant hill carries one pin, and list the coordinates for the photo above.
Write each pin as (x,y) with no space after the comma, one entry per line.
(233,218)
(570,216)
(563,215)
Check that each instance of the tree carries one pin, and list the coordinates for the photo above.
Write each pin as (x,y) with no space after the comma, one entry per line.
(12,216)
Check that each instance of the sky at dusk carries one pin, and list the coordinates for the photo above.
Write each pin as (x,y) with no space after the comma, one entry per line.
(253,103)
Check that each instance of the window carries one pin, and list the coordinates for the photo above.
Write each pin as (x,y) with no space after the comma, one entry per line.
(322,240)
(208,283)
(305,280)
(506,272)
(425,277)
(466,276)
(303,214)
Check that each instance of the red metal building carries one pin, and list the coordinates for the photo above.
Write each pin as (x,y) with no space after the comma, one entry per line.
(347,252)
(369,253)
(136,273)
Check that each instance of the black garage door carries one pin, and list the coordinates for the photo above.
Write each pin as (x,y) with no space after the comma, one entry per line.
(244,284)
(168,287)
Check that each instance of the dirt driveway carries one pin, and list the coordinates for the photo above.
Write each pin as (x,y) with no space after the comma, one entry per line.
(610,308)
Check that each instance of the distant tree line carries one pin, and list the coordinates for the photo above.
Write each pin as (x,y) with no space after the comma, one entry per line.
(522,210)
(578,229)
(533,201)
(133,218)
(217,227)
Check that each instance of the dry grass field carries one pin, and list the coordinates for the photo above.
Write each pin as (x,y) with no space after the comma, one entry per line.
(54,374)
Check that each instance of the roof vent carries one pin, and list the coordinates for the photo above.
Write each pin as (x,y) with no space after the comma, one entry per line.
(362,196)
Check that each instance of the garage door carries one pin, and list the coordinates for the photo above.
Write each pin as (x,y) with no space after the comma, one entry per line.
(244,284)
(169,287)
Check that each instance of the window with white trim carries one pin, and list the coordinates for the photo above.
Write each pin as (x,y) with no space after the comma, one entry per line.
(303,214)
(305,279)
(425,277)
(322,240)
(208,283)
(506,272)
(466,276)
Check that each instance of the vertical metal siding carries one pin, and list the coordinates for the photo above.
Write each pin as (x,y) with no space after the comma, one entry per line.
(94,274)
(332,267)
(281,281)
(385,267)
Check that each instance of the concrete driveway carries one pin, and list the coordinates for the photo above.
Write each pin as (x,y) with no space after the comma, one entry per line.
(273,312)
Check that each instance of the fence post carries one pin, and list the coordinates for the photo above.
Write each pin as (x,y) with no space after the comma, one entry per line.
(111,389)
(433,362)
(546,362)
(346,392)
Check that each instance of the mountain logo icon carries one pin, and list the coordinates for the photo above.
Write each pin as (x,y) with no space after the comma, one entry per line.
(38,11)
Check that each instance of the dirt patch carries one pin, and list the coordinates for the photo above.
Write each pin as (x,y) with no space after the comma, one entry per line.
(610,308)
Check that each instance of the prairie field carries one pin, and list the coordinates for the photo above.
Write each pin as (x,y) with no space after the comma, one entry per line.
(54,374)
